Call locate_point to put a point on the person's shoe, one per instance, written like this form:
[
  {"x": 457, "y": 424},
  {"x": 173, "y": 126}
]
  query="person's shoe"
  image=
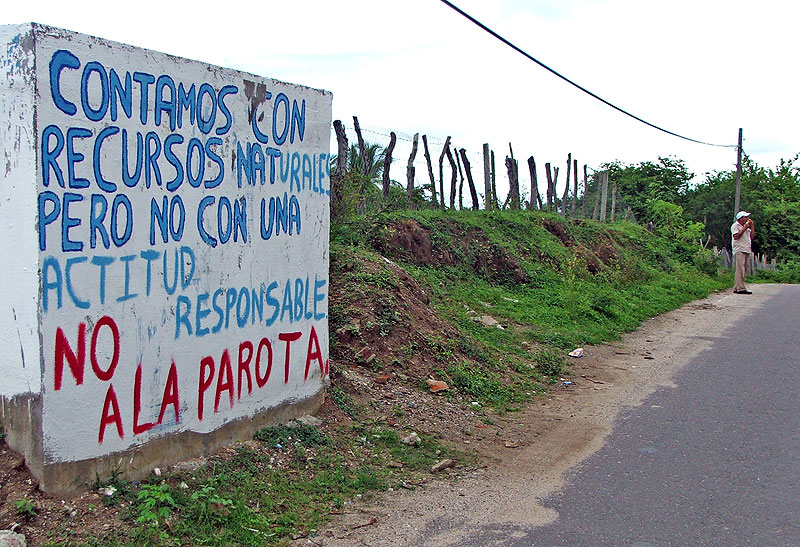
[{"x": 743, "y": 292}]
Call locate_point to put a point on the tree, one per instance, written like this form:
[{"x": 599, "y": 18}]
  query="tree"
[
  {"x": 666, "y": 180},
  {"x": 771, "y": 195}
]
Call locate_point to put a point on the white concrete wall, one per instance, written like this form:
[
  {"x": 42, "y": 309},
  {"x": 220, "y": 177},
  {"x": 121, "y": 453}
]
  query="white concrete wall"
[
  {"x": 143, "y": 337},
  {"x": 20, "y": 364}
]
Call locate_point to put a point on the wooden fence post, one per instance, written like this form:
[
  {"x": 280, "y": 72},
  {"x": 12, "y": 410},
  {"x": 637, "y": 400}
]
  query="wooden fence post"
[
  {"x": 473, "y": 194},
  {"x": 598, "y": 177},
  {"x": 441, "y": 168},
  {"x": 613, "y": 200},
  {"x": 454, "y": 176},
  {"x": 341, "y": 157},
  {"x": 487, "y": 178},
  {"x": 585, "y": 189},
  {"x": 430, "y": 170},
  {"x": 549, "y": 185},
  {"x": 534, "y": 184},
  {"x": 387, "y": 163},
  {"x": 341, "y": 167},
  {"x": 496, "y": 204},
  {"x": 513, "y": 182},
  {"x": 575, "y": 186},
  {"x": 460, "y": 181},
  {"x": 566, "y": 187},
  {"x": 362, "y": 148},
  {"x": 604, "y": 198},
  {"x": 555, "y": 185},
  {"x": 410, "y": 169}
]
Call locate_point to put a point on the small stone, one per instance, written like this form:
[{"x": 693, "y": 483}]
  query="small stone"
[
  {"x": 190, "y": 466},
  {"x": 511, "y": 444},
  {"x": 383, "y": 379},
  {"x": 488, "y": 321},
  {"x": 442, "y": 465},
  {"x": 388, "y": 395},
  {"x": 9, "y": 538},
  {"x": 396, "y": 465},
  {"x": 366, "y": 354},
  {"x": 412, "y": 440},
  {"x": 184, "y": 486},
  {"x": 309, "y": 420},
  {"x": 436, "y": 386},
  {"x": 109, "y": 491}
]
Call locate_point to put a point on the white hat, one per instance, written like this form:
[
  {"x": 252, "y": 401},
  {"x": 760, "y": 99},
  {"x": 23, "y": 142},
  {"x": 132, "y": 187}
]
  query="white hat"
[{"x": 741, "y": 214}]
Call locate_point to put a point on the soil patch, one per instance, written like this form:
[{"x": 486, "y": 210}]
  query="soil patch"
[{"x": 410, "y": 241}]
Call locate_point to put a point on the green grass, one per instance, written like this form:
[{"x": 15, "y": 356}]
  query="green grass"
[
  {"x": 252, "y": 499},
  {"x": 564, "y": 306}
]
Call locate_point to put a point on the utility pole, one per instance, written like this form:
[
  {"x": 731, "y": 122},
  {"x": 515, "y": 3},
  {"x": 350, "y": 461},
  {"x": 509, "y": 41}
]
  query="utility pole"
[{"x": 738, "y": 174}]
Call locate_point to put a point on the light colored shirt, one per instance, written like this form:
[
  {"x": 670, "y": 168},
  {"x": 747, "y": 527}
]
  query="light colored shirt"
[{"x": 741, "y": 245}]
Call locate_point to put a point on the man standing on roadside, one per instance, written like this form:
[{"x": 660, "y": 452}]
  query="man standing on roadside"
[{"x": 742, "y": 233}]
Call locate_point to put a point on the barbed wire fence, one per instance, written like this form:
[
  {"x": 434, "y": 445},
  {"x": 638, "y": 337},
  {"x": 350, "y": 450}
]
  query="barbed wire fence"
[
  {"x": 580, "y": 194},
  {"x": 452, "y": 170}
]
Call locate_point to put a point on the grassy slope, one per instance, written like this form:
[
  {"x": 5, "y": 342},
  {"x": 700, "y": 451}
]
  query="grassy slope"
[
  {"x": 561, "y": 306},
  {"x": 572, "y": 284}
]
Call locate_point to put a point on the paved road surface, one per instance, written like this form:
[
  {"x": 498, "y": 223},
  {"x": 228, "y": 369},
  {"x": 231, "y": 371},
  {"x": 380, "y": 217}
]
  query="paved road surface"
[
  {"x": 627, "y": 460},
  {"x": 714, "y": 461}
]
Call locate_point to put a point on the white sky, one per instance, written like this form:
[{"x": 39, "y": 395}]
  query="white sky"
[{"x": 700, "y": 68}]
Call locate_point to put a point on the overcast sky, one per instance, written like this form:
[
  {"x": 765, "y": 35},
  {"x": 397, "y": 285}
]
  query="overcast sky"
[{"x": 700, "y": 68}]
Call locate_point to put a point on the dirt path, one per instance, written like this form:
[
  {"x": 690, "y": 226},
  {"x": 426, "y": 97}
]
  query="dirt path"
[{"x": 534, "y": 448}]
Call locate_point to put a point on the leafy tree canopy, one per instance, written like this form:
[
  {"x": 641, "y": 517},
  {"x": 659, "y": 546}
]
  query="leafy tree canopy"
[{"x": 771, "y": 195}]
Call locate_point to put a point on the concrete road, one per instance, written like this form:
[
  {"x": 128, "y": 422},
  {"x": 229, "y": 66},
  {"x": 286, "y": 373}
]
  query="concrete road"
[{"x": 713, "y": 461}]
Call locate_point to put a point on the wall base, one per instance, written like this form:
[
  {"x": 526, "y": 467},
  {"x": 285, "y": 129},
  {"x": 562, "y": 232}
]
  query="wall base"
[
  {"x": 70, "y": 478},
  {"x": 21, "y": 419}
]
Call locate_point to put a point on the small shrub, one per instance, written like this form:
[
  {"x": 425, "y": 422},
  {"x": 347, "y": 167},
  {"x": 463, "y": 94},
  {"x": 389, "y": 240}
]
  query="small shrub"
[
  {"x": 549, "y": 362},
  {"x": 207, "y": 505},
  {"x": 155, "y": 504},
  {"x": 25, "y": 508}
]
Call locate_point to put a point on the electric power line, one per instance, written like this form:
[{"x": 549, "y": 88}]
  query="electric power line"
[{"x": 541, "y": 64}]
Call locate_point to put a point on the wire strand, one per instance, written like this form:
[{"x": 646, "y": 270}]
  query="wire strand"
[{"x": 541, "y": 64}]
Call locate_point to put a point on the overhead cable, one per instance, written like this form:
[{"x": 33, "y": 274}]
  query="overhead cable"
[{"x": 541, "y": 64}]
